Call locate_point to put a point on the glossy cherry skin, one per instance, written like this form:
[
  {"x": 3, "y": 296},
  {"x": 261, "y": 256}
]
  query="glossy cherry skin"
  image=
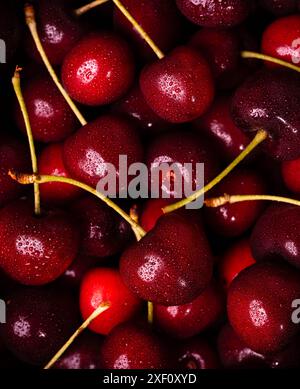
[
  {"x": 237, "y": 258},
  {"x": 218, "y": 125},
  {"x": 101, "y": 142},
  {"x": 179, "y": 87},
  {"x": 133, "y": 346},
  {"x": 234, "y": 219},
  {"x": 151, "y": 212},
  {"x": 50, "y": 117},
  {"x": 39, "y": 321},
  {"x": 102, "y": 285},
  {"x": 197, "y": 353},
  {"x": 277, "y": 234},
  {"x": 260, "y": 305},
  {"x": 36, "y": 250},
  {"x": 215, "y": 13},
  {"x": 290, "y": 174},
  {"x": 279, "y": 7},
  {"x": 185, "y": 321},
  {"x": 160, "y": 19},
  {"x": 281, "y": 40},
  {"x": 50, "y": 162},
  {"x": 13, "y": 155},
  {"x": 171, "y": 265},
  {"x": 103, "y": 232},
  {"x": 74, "y": 274},
  {"x": 99, "y": 69},
  {"x": 261, "y": 103}
]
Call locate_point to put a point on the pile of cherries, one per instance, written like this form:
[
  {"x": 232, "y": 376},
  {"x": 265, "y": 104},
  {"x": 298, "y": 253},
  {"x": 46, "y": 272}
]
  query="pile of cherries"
[{"x": 221, "y": 281}]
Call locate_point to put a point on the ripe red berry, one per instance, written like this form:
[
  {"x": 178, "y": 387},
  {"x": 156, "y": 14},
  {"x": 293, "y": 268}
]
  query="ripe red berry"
[
  {"x": 290, "y": 173},
  {"x": 197, "y": 353}
]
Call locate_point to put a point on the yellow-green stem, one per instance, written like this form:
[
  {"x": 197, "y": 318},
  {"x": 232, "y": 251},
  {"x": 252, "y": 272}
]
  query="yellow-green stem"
[
  {"x": 268, "y": 58},
  {"x": 85, "y": 8},
  {"x": 228, "y": 199},
  {"x": 150, "y": 312}
]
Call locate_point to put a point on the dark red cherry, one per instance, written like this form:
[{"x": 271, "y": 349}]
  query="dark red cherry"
[
  {"x": 39, "y": 321},
  {"x": 269, "y": 100},
  {"x": 105, "y": 285},
  {"x": 160, "y": 19},
  {"x": 36, "y": 250},
  {"x": 215, "y": 13},
  {"x": 50, "y": 162},
  {"x": 101, "y": 142},
  {"x": 287, "y": 358},
  {"x": 197, "y": 353},
  {"x": 179, "y": 87},
  {"x": 217, "y": 124},
  {"x": 277, "y": 234},
  {"x": 234, "y": 219},
  {"x": 279, "y": 7},
  {"x": 133, "y": 346},
  {"x": 83, "y": 354},
  {"x": 13, "y": 155},
  {"x": 281, "y": 40},
  {"x": 235, "y": 354},
  {"x": 99, "y": 69},
  {"x": 290, "y": 173},
  {"x": 103, "y": 232},
  {"x": 171, "y": 265},
  {"x": 237, "y": 258},
  {"x": 58, "y": 29},
  {"x": 50, "y": 116},
  {"x": 73, "y": 276},
  {"x": 151, "y": 212},
  {"x": 260, "y": 305},
  {"x": 185, "y": 321}
]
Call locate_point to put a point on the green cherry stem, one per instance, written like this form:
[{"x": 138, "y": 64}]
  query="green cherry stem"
[
  {"x": 268, "y": 58},
  {"x": 228, "y": 199},
  {"x": 85, "y": 8}
]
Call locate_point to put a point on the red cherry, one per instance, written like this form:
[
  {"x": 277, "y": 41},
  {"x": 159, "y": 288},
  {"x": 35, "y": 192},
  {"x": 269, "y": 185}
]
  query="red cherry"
[
  {"x": 179, "y": 87},
  {"x": 133, "y": 346},
  {"x": 234, "y": 219},
  {"x": 171, "y": 265},
  {"x": 102, "y": 141},
  {"x": 73, "y": 276},
  {"x": 35, "y": 250},
  {"x": 279, "y": 7},
  {"x": 98, "y": 70},
  {"x": 260, "y": 305},
  {"x": 197, "y": 353},
  {"x": 237, "y": 258},
  {"x": 50, "y": 116},
  {"x": 51, "y": 162},
  {"x": 152, "y": 211},
  {"x": 185, "y": 321},
  {"x": 105, "y": 285},
  {"x": 290, "y": 173}
]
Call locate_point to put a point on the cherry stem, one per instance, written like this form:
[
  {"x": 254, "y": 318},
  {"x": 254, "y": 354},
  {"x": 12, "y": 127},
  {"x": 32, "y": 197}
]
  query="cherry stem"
[
  {"x": 102, "y": 308},
  {"x": 31, "y": 23},
  {"x": 228, "y": 199},
  {"x": 26, "y": 179},
  {"x": 150, "y": 312},
  {"x": 259, "y": 138},
  {"x": 264, "y": 57},
  {"x": 18, "y": 91},
  {"x": 85, "y": 8},
  {"x": 139, "y": 29}
]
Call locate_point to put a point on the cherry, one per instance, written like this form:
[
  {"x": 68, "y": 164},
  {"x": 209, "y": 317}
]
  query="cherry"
[
  {"x": 102, "y": 141},
  {"x": 59, "y": 31},
  {"x": 197, "y": 353},
  {"x": 234, "y": 219},
  {"x": 187, "y": 320},
  {"x": 179, "y": 87},
  {"x": 151, "y": 212},
  {"x": 217, "y": 124},
  {"x": 290, "y": 173},
  {"x": 279, "y": 7},
  {"x": 160, "y": 19},
  {"x": 51, "y": 162},
  {"x": 281, "y": 40},
  {"x": 171, "y": 265},
  {"x": 287, "y": 358},
  {"x": 105, "y": 285},
  {"x": 261, "y": 103},
  {"x": 277, "y": 234},
  {"x": 13, "y": 155},
  {"x": 104, "y": 233},
  {"x": 237, "y": 258},
  {"x": 50, "y": 117},
  {"x": 215, "y": 13},
  {"x": 39, "y": 321},
  {"x": 133, "y": 346},
  {"x": 35, "y": 250},
  {"x": 73, "y": 276},
  {"x": 260, "y": 305},
  {"x": 99, "y": 69}
]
